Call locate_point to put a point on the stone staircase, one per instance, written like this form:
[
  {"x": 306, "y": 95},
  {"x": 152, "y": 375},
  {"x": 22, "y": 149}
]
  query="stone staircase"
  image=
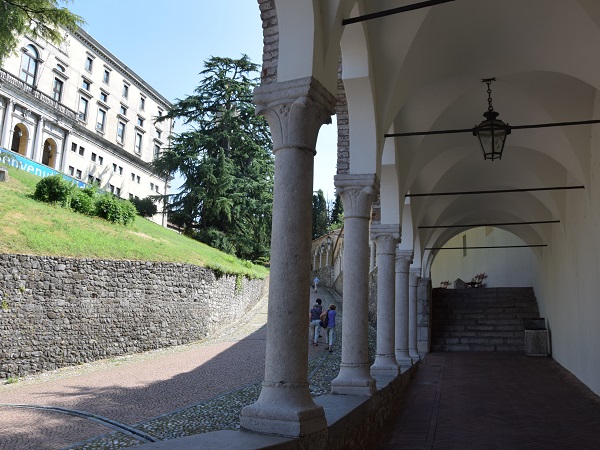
[{"x": 481, "y": 319}]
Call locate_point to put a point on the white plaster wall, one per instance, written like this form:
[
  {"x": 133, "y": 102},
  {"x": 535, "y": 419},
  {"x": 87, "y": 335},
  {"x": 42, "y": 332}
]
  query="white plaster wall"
[{"x": 513, "y": 267}]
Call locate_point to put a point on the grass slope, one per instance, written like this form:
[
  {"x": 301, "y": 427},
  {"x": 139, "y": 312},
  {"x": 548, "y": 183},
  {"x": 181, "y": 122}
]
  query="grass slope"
[{"x": 35, "y": 228}]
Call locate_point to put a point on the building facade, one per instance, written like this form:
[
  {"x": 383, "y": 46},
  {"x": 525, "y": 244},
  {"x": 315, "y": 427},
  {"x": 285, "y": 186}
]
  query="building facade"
[{"x": 79, "y": 110}]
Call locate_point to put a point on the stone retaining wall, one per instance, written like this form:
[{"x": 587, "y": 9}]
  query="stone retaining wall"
[{"x": 57, "y": 312}]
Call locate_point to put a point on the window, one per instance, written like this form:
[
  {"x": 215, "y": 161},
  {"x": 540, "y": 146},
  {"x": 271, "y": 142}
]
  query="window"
[
  {"x": 125, "y": 90},
  {"x": 138, "y": 143},
  {"x": 101, "y": 120},
  {"x": 140, "y": 121},
  {"x": 123, "y": 110},
  {"x": 81, "y": 150},
  {"x": 130, "y": 196},
  {"x": 29, "y": 63},
  {"x": 114, "y": 167},
  {"x": 137, "y": 179},
  {"x": 86, "y": 84},
  {"x": 78, "y": 174},
  {"x": 100, "y": 162},
  {"x": 160, "y": 112},
  {"x": 73, "y": 147},
  {"x": 158, "y": 133},
  {"x": 83, "y": 108},
  {"x": 156, "y": 188},
  {"x": 151, "y": 186},
  {"x": 60, "y": 68},
  {"x": 90, "y": 179},
  {"x": 94, "y": 157},
  {"x": 142, "y": 103},
  {"x": 132, "y": 176},
  {"x": 103, "y": 96},
  {"x": 71, "y": 170},
  {"x": 89, "y": 63},
  {"x": 156, "y": 151},
  {"x": 118, "y": 191},
  {"x": 106, "y": 76},
  {"x": 121, "y": 132},
  {"x": 120, "y": 170},
  {"x": 111, "y": 188},
  {"x": 57, "y": 88}
]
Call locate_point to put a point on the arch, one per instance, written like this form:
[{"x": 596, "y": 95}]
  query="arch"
[
  {"x": 29, "y": 65},
  {"x": 49, "y": 153},
  {"x": 20, "y": 139}
]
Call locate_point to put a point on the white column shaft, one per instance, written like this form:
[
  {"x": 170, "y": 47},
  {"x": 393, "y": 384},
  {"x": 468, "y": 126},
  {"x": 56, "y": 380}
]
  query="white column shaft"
[
  {"x": 403, "y": 261},
  {"x": 412, "y": 314},
  {"x": 6, "y": 125},
  {"x": 386, "y": 238},
  {"x": 356, "y": 192}
]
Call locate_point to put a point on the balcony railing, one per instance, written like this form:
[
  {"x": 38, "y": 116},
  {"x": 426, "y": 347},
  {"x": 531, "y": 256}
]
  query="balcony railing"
[{"x": 31, "y": 90}]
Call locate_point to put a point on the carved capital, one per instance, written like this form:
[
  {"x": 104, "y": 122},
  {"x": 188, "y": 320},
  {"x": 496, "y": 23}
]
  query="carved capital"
[
  {"x": 404, "y": 259},
  {"x": 386, "y": 237},
  {"x": 295, "y": 111},
  {"x": 414, "y": 276},
  {"x": 357, "y": 192}
]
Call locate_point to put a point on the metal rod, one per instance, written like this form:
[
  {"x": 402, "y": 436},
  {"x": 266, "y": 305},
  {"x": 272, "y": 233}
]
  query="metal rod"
[
  {"x": 485, "y": 247},
  {"x": 512, "y": 127},
  {"x": 389, "y": 12},
  {"x": 500, "y": 191},
  {"x": 473, "y": 225}
]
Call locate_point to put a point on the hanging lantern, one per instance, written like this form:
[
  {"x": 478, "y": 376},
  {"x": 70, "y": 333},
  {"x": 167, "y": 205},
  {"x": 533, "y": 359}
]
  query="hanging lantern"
[{"x": 491, "y": 132}]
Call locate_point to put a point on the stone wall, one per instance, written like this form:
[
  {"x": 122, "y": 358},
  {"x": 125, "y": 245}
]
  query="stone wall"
[
  {"x": 57, "y": 312},
  {"x": 268, "y": 15}
]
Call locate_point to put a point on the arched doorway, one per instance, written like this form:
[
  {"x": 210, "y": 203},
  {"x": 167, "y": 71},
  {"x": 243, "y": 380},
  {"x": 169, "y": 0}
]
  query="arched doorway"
[
  {"x": 20, "y": 139},
  {"x": 49, "y": 153}
]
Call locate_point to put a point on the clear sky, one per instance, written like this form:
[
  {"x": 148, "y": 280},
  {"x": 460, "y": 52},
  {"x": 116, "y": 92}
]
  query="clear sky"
[{"x": 167, "y": 42}]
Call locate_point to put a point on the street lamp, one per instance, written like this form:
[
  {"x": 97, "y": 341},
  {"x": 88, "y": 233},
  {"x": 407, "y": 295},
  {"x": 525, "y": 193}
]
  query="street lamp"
[{"x": 491, "y": 132}]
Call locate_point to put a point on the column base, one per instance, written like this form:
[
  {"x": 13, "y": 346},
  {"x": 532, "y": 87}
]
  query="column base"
[
  {"x": 414, "y": 356},
  {"x": 404, "y": 360},
  {"x": 353, "y": 379},
  {"x": 385, "y": 366},
  {"x": 284, "y": 409}
]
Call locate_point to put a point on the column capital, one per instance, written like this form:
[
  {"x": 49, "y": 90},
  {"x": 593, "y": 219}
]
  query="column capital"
[
  {"x": 357, "y": 192},
  {"x": 415, "y": 275},
  {"x": 295, "y": 110},
  {"x": 386, "y": 237},
  {"x": 404, "y": 259}
]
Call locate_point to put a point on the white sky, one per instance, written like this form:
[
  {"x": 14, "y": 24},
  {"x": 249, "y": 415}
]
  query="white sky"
[{"x": 167, "y": 42}]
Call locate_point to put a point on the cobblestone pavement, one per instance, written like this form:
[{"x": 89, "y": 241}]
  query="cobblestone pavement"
[{"x": 167, "y": 393}]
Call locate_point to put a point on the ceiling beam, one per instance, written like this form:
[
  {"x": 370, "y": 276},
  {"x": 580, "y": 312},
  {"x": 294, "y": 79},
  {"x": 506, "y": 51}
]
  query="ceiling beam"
[
  {"x": 499, "y": 191},
  {"x": 389, "y": 12},
  {"x": 474, "y": 225}
]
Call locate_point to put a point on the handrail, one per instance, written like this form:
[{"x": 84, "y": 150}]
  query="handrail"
[{"x": 37, "y": 94}]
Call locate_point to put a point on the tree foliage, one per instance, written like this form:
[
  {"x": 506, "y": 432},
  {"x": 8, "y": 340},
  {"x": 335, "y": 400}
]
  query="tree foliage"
[
  {"x": 40, "y": 18},
  {"x": 224, "y": 158},
  {"x": 320, "y": 215},
  {"x": 337, "y": 212}
]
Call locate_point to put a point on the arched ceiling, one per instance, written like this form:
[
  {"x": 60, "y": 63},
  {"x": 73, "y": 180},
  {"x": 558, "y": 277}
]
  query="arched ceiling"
[
  {"x": 422, "y": 70},
  {"x": 425, "y": 71}
]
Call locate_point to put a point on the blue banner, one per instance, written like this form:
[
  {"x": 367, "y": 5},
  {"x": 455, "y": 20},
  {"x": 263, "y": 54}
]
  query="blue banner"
[{"x": 20, "y": 162}]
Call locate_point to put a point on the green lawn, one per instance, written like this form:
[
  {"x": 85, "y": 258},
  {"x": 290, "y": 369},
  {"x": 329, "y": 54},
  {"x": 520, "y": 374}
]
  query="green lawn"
[{"x": 35, "y": 228}]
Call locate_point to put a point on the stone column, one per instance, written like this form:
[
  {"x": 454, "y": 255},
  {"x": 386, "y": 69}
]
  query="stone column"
[
  {"x": 295, "y": 110},
  {"x": 7, "y": 124},
  {"x": 403, "y": 261},
  {"x": 65, "y": 153},
  {"x": 386, "y": 237},
  {"x": 36, "y": 150},
  {"x": 357, "y": 192},
  {"x": 423, "y": 316},
  {"x": 414, "y": 275},
  {"x": 373, "y": 256}
]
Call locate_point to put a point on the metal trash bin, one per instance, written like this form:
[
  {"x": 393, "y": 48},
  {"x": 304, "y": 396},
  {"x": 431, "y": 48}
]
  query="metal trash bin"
[{"x": 536, "y": 337}]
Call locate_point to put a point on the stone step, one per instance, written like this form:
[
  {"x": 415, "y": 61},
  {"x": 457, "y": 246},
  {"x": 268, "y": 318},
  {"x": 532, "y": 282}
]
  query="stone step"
[{"x": 478, "y": 348}]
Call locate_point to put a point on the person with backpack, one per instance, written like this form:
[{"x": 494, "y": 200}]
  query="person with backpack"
[
  {"x": 328, "y": 322},
  {"x": 315, "y": 319}
]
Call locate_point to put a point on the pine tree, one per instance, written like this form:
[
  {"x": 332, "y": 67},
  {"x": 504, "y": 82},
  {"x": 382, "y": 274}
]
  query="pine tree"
[
  {"x": 225, "y": 161},
  {"x": 320, "y": 217}
]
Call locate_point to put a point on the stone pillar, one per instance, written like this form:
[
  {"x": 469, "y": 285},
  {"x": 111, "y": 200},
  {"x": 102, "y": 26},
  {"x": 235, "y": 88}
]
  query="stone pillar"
[
  {"x": 414, "y": 275},
  {"x": 65, "y": 153},
  {"x": 424, "y": 316},
  {"x": 386, "y": 237},
  {"x": 403, "y": 261},
  {"x": 36, "y": 150},
  {"x": 295, "y": 110},
  {"x": 357, "y": 192},
  {"x": 315, "y": 260},
  {"x": 7, "y": 124},
  {"x": 373, "y": 256}
]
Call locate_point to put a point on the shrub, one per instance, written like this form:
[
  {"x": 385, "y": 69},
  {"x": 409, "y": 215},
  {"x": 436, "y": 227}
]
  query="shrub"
[
  {"x": 115, "y": 209},
  {"x": 54, "y": 189},
  {"x": 145, "y": 207},
  {"x": 84, "y": 200}
]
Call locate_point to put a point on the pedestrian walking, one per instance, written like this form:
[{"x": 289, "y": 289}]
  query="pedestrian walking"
[
  {"x": 316, "y": 283},
  {"x": 315, "y": 319},
  {"x": 330, "y": 327}
]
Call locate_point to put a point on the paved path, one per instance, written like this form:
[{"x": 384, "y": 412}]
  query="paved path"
[{"x": 502, "y": 401}]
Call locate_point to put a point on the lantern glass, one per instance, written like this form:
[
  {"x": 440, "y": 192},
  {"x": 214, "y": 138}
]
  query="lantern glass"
[{"x": 492, "y": 134}]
